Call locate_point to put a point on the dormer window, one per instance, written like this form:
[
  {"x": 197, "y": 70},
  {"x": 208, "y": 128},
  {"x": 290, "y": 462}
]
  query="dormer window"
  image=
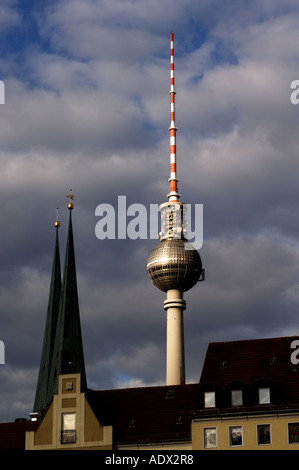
[
  {"x": 132, "y": 423},
  {"x": 264, "y": 396},
  {"x": 210, "y": 399},
  {"x": 237, "y": 398},
  {"x": 223, "y": 364},
  {"x": 170, "y": 394}
]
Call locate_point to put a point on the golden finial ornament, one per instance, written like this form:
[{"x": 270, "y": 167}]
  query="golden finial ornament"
[
  {"x": 57, "y": 223},
  {"x": 71, "y": 197}
]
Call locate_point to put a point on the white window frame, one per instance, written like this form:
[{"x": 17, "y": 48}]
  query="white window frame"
[
  {"x": 257, "y": 434},
  {"x": 261, "y": 401},
  {"x": 205, "y": 440},
  {"x": 68, "y": 428},
  {"x": 210, "y": 396},
  {"x": 241, "y": 394},
  {"x": 229, "y": 436}
]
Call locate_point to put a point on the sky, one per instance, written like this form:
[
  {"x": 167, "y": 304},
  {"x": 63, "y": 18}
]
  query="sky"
[{"x": 87, "y": 107}]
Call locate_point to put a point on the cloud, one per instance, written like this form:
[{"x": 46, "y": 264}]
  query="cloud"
[
  {"x": 87, "y": 108},
  {"x": 9, "y": 17},
  {"x": 124, "y": 30}
]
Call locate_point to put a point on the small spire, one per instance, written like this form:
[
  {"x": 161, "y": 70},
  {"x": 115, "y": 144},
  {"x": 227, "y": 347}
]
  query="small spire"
[
  {"x": 57, "y": 223},
  {"x": 71, "y": 197},
  {"x": 42, "y": 398}
]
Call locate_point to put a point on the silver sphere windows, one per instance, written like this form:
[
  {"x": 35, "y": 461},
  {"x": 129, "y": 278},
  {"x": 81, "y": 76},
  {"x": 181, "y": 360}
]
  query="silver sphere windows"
[{"x": 174, "y": 264}]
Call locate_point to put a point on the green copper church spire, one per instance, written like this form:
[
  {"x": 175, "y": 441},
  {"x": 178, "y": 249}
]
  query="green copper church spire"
[
  {"x": 68, "y": 354},
  {"x": 41, "y": 396}
]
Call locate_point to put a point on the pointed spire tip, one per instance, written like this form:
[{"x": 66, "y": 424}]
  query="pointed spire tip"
[
  {"x": 57, "y": 223},
  {"x": 71, "y": 197}
]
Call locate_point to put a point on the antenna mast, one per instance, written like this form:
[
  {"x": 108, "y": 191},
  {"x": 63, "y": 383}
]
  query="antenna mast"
[{"x": 173, "y": 195}]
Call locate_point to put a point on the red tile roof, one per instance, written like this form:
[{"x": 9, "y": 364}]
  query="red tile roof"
[
  {"x": 12, "y": 435},
  {"x": 249, "y": 361},
  {"x": 147, "y": 414}
]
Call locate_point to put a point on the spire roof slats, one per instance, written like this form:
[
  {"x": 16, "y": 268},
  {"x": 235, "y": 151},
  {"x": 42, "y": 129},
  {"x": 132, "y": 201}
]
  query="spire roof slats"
[{"x": 40, "y": 403}]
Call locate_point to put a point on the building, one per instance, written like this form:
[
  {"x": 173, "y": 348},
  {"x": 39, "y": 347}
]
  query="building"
[
  {"x": 249, "y": 396},
  {"x": 123, "y": 419}
]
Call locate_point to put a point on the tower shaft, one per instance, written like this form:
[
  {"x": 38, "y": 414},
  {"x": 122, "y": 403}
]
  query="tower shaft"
[{"x": 175, "y": 349}]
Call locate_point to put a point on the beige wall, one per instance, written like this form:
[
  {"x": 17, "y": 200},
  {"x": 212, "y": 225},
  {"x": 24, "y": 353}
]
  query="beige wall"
[
  {"x": 278, "y": 429},
  {"x": 89, "y": 432}
]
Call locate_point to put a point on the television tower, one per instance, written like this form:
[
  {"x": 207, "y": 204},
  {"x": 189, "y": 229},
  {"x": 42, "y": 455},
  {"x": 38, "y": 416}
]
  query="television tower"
[{"x": 174, "y": 265}]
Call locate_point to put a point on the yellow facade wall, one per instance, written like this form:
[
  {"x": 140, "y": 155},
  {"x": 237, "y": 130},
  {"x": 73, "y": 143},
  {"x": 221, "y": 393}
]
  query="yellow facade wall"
[
  {"x": 89, "y": 432},
  {"x": 279, "y": 438},
  {"x": 43, "y": 435}
]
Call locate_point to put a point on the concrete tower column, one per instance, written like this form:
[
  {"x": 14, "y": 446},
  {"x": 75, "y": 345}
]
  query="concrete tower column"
[{"x": 175, "y": 355}]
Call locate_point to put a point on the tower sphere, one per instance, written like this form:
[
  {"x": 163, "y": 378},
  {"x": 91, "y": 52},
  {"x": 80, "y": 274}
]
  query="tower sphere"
[{"x": 174, "y": 264}]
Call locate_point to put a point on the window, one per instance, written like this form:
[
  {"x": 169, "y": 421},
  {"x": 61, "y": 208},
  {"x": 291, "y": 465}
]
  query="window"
[
  {"x": 263, "y": 434},
  {"x": 132, "y": 423},
  {"x": 179, "y": 420},
  {"x": 170, "y": 394},
  {"x": 69, "y": 386},
  {"x": 210, "y": 401},
  {"x": 210, "y": 438},
  {"x": 235, "y": 436},
  {"x": 264, "y": 396},
  {"x": 68, "y": 428},
  {"x": 293, "y": 429},
  {"x": 223, "y": 365},
  {"x": 237, "y": 398}
]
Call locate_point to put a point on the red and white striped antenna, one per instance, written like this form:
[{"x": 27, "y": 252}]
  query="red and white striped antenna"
[{"x": 173, "y": 195}]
